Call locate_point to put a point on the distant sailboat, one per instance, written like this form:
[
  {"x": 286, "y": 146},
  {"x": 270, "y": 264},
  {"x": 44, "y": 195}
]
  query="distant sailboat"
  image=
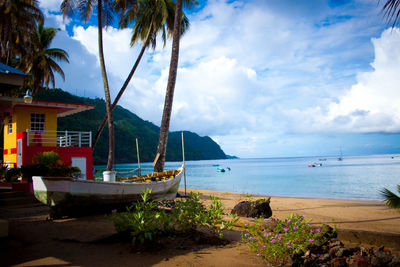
[{"x": 340, "y": 158}]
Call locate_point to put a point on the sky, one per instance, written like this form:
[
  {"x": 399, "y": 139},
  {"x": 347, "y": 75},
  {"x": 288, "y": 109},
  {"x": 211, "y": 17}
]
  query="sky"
[{"x": 262, "y": 78}]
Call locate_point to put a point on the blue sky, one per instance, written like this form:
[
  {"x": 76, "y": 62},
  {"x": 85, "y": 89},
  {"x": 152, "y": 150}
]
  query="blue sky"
[{"x": 262, "y": 78}]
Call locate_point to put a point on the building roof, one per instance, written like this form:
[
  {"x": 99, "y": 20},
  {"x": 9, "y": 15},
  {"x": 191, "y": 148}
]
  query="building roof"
[
  {"x": 7, "y": 69},
  {"x": 63, "y": 109}
]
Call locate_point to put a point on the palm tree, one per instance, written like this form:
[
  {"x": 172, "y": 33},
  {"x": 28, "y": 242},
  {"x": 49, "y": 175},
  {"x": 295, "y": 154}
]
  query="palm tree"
[
  {"x": 392, "y": 200},
  {"x": 169, "y": 95},
  {"x": 43, "y": 63},
  {"x": 104, "y": 17},
  {"x": 18, "y": 20},
  {"x": 391, "y": 11},
  {"x": 148, "y": 18}
]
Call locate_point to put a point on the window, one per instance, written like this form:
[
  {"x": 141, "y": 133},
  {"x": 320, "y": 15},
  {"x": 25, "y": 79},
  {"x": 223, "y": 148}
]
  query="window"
[
  {"x": 37, "y": 122},
  {"x": 10, "y": 124}
]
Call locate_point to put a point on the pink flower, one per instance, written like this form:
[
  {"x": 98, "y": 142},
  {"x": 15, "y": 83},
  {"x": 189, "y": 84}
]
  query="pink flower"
[
  {"x": 319, "y": 230},
  {"x": 289, "y": 221},
  {"x": 258, "y": 254},
  {"x": 311, "y": 240},
  {"x": 280, "y": 238},
  {"x": 295, "y": 228},
  {"x": 273, "y": 241},
  {"x": 288, "y": 243},
  {"x": 285, "y": 228}
]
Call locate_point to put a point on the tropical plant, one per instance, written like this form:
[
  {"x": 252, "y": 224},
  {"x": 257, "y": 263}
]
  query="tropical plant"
[
  {"x": 169, "y": 95},
  {"x": 43, "y": 64},
  {"x": 18, "y": 20},
  {"x": 148, "y": 17},
  {"x": 105, "y": 12},
  {"x": 391, "y": 11},
  {"x": 144, "y": 220},
  {"x": 392, "y": 200},
  {"x": 292, "y": 235}
]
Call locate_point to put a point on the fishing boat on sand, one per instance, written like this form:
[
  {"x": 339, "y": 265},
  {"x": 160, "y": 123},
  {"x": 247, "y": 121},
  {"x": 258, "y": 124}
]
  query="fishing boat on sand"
[{"x": 66, "y": 192}]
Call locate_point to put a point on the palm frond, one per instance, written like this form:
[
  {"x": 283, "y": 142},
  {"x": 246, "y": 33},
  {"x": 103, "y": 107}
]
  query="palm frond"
[
  {"x": 392, "y": 200},
  {"x": 391, "y": 11}
]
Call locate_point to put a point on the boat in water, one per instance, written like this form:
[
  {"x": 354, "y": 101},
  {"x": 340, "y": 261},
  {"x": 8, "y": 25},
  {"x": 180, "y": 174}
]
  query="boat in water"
[{"x": 63, "y": 194}]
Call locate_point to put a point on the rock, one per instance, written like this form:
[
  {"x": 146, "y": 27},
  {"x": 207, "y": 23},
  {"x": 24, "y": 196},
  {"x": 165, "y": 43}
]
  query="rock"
[
  {"x": 333, "y": 251},
  {"x": 359, "y": 261},
  {"x": 335, "y": 243},
  {"x": 381, "y": 257},
  {"x": 254, "y": 209},
  {"x": 269, "y": 223},
  {"x": 395, "y": 261},
  {"x": 338, "y": 262}
]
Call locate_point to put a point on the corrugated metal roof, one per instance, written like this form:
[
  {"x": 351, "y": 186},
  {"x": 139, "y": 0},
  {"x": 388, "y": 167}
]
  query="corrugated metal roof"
[{"x": 7, "y": 69}]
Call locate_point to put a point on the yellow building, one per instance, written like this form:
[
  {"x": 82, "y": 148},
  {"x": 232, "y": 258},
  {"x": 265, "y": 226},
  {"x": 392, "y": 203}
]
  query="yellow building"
[{"x": 30, "y": 128}]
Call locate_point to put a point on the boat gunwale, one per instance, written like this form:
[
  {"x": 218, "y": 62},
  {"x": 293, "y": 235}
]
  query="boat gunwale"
[{"x": 71, "y": 179}]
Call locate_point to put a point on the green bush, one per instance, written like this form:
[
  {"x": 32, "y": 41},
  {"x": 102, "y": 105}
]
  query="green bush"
[
  {"x": 48, "y": 164},
  {"x": 293, "y": 235},
  {"x": 143, "y": 221},
  {"x": 13, "y": 174}
]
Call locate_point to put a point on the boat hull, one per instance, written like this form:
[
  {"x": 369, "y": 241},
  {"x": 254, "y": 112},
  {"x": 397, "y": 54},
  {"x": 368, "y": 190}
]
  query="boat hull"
[{"x": 67, "y": 193}]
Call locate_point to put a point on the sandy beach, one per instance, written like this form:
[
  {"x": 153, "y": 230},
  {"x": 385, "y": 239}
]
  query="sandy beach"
[{"x": 88, "y": 241}]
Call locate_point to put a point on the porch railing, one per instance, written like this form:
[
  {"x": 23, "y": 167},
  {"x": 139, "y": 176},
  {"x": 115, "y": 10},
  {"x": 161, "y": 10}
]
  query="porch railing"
[{"x": 59, "y": 138}]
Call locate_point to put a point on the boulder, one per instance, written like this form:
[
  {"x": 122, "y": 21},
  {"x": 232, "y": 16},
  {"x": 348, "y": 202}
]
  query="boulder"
[{"x": 254, "y": 209}]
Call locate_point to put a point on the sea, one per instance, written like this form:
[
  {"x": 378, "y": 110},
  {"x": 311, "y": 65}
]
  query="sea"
[{"x": 353, "y": 178}]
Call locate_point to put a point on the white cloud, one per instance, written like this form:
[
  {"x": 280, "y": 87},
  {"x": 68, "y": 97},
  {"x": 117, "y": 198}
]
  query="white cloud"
[
  {"x": 50, "y": 5},
  {"x": 261, "y": 69},
  {"x": 373, "y": 103}
]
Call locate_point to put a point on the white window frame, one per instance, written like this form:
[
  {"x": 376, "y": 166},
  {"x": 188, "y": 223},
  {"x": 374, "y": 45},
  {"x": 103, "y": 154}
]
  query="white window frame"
[
  {"x": 38, "y": 122},
  {"x": 10, "y": 124}
]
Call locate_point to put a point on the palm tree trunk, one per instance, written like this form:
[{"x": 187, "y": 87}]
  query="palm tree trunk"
[
  {"x": 122, "y": 90},
  {"x": 110, "y": 161},
  {"x": 169, "y": 96}
]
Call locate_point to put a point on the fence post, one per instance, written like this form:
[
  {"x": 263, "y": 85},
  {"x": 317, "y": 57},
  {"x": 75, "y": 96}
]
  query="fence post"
[
  {"x": 66, "y": 138},
  {"x": 79, "y": 138},
  {"x": 90, "y": 139}
]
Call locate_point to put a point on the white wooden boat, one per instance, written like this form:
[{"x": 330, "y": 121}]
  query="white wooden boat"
[{"x": 64, "y": 193}]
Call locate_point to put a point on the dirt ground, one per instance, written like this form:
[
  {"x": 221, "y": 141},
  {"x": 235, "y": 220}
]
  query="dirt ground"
[{"x": 90, "y": 241}]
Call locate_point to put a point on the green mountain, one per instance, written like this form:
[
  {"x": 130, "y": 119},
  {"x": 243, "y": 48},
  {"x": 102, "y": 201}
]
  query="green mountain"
[{"x": 128, "y": 127}]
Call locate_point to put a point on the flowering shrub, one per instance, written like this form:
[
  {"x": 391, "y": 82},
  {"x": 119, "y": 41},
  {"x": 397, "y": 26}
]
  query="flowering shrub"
[
  {"x": 145, "y": 220},
  {"x": 290, "y": 236}
]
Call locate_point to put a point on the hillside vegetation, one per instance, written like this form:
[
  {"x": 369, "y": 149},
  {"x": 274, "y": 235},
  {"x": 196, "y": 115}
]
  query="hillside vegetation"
[{"x": 128, "y": 127}]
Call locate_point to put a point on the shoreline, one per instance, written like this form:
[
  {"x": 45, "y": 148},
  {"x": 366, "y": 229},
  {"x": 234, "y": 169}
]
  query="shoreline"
[
  {"x": 305, "y": 197},
  {"x": 347, "y": 215}
]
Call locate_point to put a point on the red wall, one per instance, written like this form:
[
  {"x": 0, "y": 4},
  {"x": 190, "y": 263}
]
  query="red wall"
[{"x": 66, "y": 153}]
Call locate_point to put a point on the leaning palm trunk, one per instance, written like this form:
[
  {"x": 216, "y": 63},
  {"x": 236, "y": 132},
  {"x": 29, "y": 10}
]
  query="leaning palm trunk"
[
  {"x": 169, "y": 96},
  {"x": 110, "y": 160},
  {"x": 122, "y": 90}
]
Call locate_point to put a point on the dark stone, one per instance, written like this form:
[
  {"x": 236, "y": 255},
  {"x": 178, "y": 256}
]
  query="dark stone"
[
  {"x": 254, "y": 209},
  {"x": 333, "y": 251},
  {"x": 359, "y": 261},
  {"x": 381, "y": 258},
  {"x": 335, "y": 243},
  {"x": 395, "y": 261},
  {"x": 338, "y": 262}
]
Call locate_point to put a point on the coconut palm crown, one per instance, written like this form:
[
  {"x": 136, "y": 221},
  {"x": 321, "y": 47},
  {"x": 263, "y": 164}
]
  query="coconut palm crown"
[{"x": 43, "y": 64}]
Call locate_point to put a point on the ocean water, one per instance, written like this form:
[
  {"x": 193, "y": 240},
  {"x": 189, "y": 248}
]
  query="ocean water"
[{"x": 356, "y": 177}]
